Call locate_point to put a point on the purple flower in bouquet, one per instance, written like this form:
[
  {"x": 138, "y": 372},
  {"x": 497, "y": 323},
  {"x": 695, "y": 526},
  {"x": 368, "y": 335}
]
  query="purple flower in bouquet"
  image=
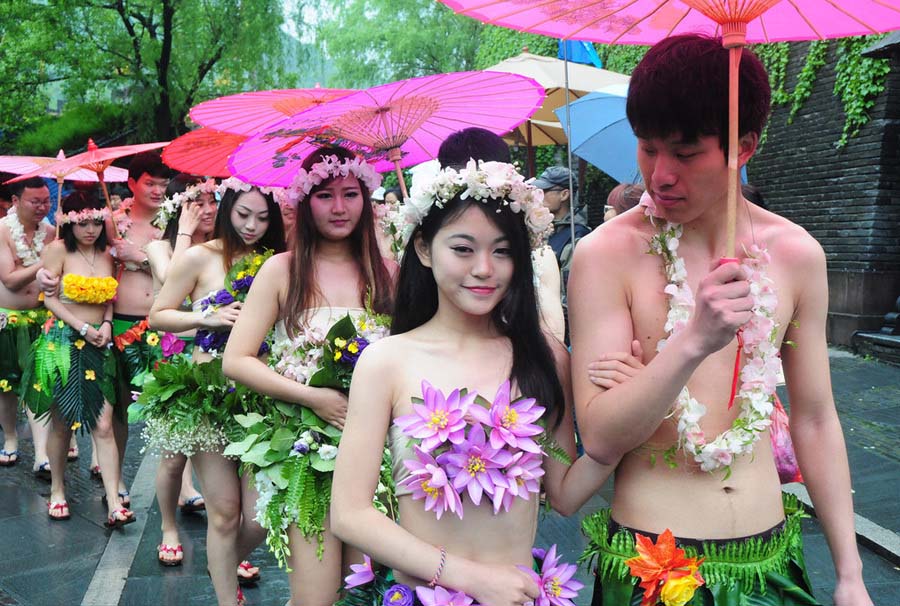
[
  {"x": 429, "y": 481},
  {"x": 555, "y": 581},
  {"x": 511, "y": 423},
  {"x": 242, "y": 285},
  {"x": 362, "y": 574},
  {"x": 353, "y": 350},
  {"x": 442, "y": 597},
  {"x": 437, "y": 419},
  {"x": 538, "y": 554},
  {"x": 170, "y": 344},
  {"x": 208, "y": 340},
  {"x": 522, "y": 476},
  {"x": 475, "y": 465},
  {"x": 398, "y": 595},
  {"x": 300, "y": 447},
  {"x": 223, "y": 297}
]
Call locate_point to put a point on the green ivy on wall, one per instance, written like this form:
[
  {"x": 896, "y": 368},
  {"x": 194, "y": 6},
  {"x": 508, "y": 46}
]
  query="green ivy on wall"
[{"x": 858, "y": 80}]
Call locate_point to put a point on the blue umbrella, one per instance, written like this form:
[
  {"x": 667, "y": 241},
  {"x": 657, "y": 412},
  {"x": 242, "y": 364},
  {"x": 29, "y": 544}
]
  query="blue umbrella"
[{"x": 602, "y": 135}]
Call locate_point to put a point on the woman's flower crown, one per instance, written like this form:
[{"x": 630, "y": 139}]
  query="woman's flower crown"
[
  {"x": 482, "y": 181},
  {"x": 235, "y": 184},
  {"x": 87, "y": 214},
  {"x": 171, "y": 205},
  {"x": 332, "y": 167}
]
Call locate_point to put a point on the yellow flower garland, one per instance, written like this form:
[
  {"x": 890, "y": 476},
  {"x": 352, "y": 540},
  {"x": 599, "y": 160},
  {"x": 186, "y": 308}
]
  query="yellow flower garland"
[{"x": 90, "y": 290}]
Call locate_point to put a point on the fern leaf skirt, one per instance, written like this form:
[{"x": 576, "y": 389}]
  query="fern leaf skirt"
[{"x": 66, "y": 371}]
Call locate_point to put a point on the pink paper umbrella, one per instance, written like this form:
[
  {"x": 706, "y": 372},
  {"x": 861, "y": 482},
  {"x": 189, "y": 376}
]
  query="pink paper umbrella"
[
  {"x": 95, "y": 159},
  {"x": 204, "y": 151},
  {"x": 649, "y": 21},
  {"x": 400, "y": 124},
  {"x": 248, "y": 113}
]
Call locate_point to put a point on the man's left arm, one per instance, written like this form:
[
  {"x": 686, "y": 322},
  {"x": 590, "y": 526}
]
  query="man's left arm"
[{"x": 815, "y": 426}]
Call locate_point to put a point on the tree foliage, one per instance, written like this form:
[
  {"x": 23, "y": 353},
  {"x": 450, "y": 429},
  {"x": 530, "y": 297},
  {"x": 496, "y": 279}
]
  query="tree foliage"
[
  {"x": 371, "y": 42},
  {"x": 157, "y": 57}
]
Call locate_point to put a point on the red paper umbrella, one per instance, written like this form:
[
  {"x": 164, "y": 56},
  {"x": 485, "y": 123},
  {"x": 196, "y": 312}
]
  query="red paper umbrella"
[
  {"x": 248, "y": 113},
  {"x": 204, "y": 151},
  {"x": 95, "y": 159},
  {"x": 649, "y": 21},
  {"x": 403, "y": 122},
  {"x": 20, "y": 165}
]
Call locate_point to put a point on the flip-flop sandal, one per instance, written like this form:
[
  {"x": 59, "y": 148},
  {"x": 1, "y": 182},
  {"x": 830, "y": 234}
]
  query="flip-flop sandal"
[
  {"x": 240, "y": 594},
  {"x": 174, "y": 550},
  {"x": 251, "y": 580},
  {"x": 43, "y": 471},
  {"x": 191, "y": 505},
  {"x": 123, "y": 495},
  {"x": 96, "y": 474},
  {"x": 51, "y": 507},
  {"x": 9, "y": 460},
  {"x": 114, "y": 521},
  {"x": 72, "y": 455}
]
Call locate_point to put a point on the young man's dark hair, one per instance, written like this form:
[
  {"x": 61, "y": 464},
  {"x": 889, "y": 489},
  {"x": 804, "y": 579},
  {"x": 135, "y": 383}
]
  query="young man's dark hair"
[
  {"x": 149, "y": 162},
  {"x": 677, "y": 89},
  {"x": 16, "y": 189},
  {"x": 473, "y": 142}
]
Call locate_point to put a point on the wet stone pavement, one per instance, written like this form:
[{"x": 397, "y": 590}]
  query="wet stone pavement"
[{"x": 79, "y": 562}]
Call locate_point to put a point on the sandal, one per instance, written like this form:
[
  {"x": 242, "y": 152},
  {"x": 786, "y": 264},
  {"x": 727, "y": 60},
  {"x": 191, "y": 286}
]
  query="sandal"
[
  {"x": 124, "y": 499},
  {"x": 96, "y": 473},
  {"x": 114, "y": 521},
  {"x": 191, "y": 505},
  {"x": 72, "y": 455},
  {"x": 240, "y": 594},
  {"x": 53, "y": 507},
  {"x": 42, "y": 472},
  {"x": 162, "y": 548},
  {"x": 9, "y": 454},
  {"x": 244, "y": 581}
]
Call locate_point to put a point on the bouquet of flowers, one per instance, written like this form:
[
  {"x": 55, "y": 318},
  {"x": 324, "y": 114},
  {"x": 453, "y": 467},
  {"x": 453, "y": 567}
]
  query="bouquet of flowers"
[
  {"x": 468, "y": 446},
  {"x": 189, "y": 407},
  {"x": 237, "y": 285},
  {"x": 288, "y": 448},
  {"x": 391, "y": 221},
  {"x": 366, "y": 587}
]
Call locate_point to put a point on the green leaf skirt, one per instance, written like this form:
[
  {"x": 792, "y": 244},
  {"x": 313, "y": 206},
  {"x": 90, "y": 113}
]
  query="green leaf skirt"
[
  {"x": 65, "y": 370},
  {"x": 758, "y": 571},
  {"x": 18, "y": 330}
]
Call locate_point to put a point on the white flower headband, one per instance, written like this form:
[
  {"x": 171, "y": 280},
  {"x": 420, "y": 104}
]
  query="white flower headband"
[
  {"x": 171, "y": 205},
  {"x": 235, "y": 184},
  {"x": 481, "y": 181},
  {"x": 87, "y": 214},
  {"x": 332, "y": 167}
]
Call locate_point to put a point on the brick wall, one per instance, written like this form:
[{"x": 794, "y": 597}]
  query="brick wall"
[{"x": 848, "y": 199}]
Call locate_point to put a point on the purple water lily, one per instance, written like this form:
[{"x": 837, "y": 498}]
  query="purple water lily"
[
  {"x": 511, "y": 423},
  {"x": 398, "y": 595},
  {"x": 442, "y": 597},
  {"x": 437, "y": 419},
  {"x": 555, "y": 581},
  {"x": 362, "y": 574},
  {"x": 475, "y": 465},
  {"x": 429, "y": 481},
  {"x": 522, "y": 477}
]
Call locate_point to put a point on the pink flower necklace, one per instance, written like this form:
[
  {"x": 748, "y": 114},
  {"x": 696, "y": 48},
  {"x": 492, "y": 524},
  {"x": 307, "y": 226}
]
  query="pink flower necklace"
[{"x": 758, "y": 376}]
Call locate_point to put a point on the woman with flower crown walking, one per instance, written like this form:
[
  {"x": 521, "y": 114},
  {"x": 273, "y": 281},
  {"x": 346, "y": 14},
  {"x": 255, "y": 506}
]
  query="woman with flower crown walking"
[
  {"x": 71, "y": 374},
  {"x": 466, "y": 328},
  {"x": 195, "y": 420},
  {"x": 334, "y": 270}
]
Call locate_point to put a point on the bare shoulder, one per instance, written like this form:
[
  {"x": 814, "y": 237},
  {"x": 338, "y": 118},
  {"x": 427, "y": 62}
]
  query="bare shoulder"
[
  {"x": 617, "y": 239},
  {"x": 789, "y": 243},
  {"x": 385, "y": 355},
  {"x": 277, "y": 263},
  {"x": 49, "y": 231}
]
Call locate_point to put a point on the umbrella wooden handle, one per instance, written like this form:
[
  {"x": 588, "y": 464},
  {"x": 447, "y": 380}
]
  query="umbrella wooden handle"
[
  {"x": 734, "y": 54},
  {"x": 108, "y": 204}
]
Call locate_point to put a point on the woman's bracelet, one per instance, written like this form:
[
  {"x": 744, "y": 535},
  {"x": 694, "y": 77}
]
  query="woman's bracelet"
[
  {"x": 440, "y": 568},
  {"x": 184, "y": 233}
]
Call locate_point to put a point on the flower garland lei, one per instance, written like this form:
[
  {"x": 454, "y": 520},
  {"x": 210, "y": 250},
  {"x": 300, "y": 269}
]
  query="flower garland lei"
[
  {"x": 481, "y": 181},
  {"x": 171, "y": 205},
  {"x": 759, "y": 375},
  {"x": 122, "y": 217},
  {"x": 332, "y": 167},
  {"x": 29, "y": 255}
]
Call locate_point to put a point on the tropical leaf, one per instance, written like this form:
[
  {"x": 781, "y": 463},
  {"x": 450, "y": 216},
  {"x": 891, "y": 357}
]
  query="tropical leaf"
[{"x": 81, "y": 398}]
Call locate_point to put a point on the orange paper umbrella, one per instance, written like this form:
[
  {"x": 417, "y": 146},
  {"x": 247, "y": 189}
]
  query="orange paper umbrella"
[
  {"x": 95, "y": 159},
  {"x": 204, "y": 151},
  {"x": 248, "y": 113}
]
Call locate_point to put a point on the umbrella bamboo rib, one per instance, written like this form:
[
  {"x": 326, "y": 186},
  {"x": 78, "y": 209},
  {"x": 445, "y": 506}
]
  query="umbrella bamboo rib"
[{"x": 854, "y": 17}]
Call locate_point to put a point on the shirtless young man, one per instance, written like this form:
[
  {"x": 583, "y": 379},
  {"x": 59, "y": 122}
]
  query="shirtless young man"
[
  {"x": 677, "y": 106},
  {"x": 22, "y": 238},
  {"x": 148, "y": 178}
]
